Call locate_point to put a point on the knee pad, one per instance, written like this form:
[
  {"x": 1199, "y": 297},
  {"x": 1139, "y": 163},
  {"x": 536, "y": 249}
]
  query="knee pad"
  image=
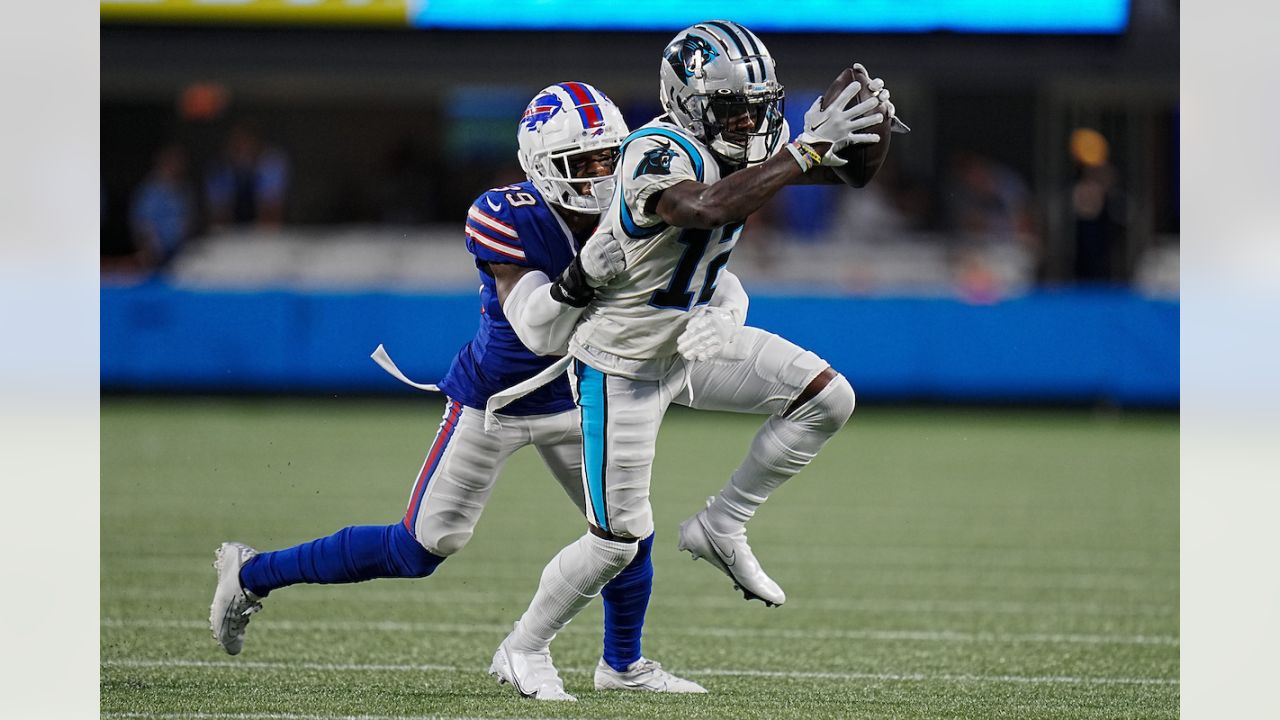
[
  {"x": 446, "y": 531},
  {"x": 448, "y": 544},
  {"x": 830, "y": 409},
  {"x": 611, "y": 555}
]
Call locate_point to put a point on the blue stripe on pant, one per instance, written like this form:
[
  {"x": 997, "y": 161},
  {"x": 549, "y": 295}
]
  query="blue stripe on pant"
[{"x": 593, "y": 399}]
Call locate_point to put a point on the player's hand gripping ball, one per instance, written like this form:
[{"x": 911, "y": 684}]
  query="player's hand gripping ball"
[{"x": 862, "y": 160}]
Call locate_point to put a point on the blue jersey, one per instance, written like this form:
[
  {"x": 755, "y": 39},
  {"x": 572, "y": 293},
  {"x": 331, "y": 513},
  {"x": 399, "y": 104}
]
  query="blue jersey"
[{"x": 513, "y": 225}]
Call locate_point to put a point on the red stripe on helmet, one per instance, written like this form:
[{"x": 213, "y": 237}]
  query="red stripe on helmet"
[{"x": 587, "y": 105}]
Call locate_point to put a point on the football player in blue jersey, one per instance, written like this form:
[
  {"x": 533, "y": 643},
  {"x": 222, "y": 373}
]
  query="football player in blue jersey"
[{"x": 532, "y": 235}]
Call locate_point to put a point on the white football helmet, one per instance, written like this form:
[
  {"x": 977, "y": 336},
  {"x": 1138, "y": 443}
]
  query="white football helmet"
[
  {"x": 714, "y": 72},
  {"x": 563, "y": 120}
]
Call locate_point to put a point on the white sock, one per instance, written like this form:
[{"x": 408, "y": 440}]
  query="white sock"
[
  {"x": 572, "y": 578},
  {"x": 783, "y": 447}
]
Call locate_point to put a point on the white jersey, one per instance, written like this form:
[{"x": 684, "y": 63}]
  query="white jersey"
[{"x": 632, "y": 326}]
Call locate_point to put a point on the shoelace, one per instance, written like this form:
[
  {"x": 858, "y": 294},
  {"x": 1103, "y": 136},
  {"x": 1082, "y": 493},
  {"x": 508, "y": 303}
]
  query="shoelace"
[
  {"x": 649, "y": 673},
  {"x": 647, "y": 665},
  {"x": 241, "y": 619}
]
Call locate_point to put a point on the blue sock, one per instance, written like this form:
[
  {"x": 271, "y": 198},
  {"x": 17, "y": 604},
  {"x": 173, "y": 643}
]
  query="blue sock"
[
  {"x": 352, "y": 554},
  {"x": 626, "y": 598}
]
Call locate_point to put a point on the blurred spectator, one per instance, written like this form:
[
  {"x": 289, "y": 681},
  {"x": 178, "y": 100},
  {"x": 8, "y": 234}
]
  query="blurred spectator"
[
  {"x": 882, "y": 212},
  {"x": 247, "y": 185},
  {"x": 1097, "y": 210},
  {"x": 990, "y": 206},
  {"x": 987, "y": 200},
  {"x": 162, "y": 211}
]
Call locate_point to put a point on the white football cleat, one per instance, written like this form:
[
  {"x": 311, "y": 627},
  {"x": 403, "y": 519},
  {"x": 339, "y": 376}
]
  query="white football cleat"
[
  {"x": 531, "y": 674},
  {"x": 643, "y": 674},
  {"x": 733, "y": 556},
  {"x": 232, "y": 604}
]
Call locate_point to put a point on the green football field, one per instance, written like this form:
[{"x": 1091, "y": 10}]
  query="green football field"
[{"x": 972, "y": 563}]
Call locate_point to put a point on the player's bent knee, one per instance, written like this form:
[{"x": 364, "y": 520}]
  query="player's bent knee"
[
  {"x": 631, "y": 527},
  {"x": 446, "y": 530},
  {"x": 831, "y": 408},
  {"x": 447, "y": 544},
  {"x": 613, "y": 555},
  {"x": 410, "y": 557}
]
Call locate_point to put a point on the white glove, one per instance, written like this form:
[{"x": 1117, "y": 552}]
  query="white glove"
[
  {"x": 602, "y": 258},
  {"x": 710, "y": 333},
  {"x": 876, "y": 85},
  {"x": 840, "y": 127}
]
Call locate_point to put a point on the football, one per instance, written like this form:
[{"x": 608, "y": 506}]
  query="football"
[{"x": 863, "y": 160}]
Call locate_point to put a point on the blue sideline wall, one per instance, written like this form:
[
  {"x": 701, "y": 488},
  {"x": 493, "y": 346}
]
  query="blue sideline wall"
[{"x": 1069, "y": 346}]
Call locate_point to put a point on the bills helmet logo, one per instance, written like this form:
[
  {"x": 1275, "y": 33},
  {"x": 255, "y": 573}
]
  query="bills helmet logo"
[
  {"x": 542, "y": 109},
  {"x": 688, "y": 54}
]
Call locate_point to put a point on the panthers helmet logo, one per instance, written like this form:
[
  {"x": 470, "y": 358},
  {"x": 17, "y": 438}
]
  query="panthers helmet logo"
[
  {"x": 542, "y": 109},
  {"x": 687, "y": 54},
  {"x": 656, "y": 161}
]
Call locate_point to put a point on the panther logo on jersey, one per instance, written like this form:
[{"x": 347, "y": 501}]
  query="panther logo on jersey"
[
  {"x": 542, "y": 109},
  {"x": 656, "y": 161},
  {"x": 689, "y": 54}
]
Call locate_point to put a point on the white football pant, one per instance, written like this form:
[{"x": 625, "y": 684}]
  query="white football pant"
[
  {"x": 621, "y": 416},
  {"x": 620, "y": 419},
  {"x": 463, "y": 464}
]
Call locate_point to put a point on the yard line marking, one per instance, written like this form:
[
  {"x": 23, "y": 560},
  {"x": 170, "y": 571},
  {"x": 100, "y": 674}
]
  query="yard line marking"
[
  {"x": 392, "y": 593},
  {"x": 783, "y": 633},
  {"x": 714, "y": 672}
]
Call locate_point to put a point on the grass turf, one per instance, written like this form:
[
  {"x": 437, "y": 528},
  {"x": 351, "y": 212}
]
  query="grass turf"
[{"x": 938, "y": 564}]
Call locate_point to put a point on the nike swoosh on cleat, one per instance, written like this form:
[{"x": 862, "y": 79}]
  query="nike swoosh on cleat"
[
  {"x": 729, "y": 559},
  {"x": 495, "y": 208}
]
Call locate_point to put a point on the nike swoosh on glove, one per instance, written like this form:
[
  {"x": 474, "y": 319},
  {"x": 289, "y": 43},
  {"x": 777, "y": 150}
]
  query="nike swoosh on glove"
[{"x": 838, "y": 126}]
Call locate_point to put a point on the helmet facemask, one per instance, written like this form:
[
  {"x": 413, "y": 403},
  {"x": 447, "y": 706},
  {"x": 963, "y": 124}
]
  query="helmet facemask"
[
  {"x": 572, "y": 190},
  {"x": 744, "y": 129}
]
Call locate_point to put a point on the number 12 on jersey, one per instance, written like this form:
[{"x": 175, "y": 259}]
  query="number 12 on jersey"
[{"x": 678, "y": 295}]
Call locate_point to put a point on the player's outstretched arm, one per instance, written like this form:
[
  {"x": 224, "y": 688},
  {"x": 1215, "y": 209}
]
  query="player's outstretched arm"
[{"x": 692, "y": 204}]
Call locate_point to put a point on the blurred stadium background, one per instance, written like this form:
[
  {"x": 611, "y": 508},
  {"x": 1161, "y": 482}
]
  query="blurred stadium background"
[{"x": 284, "y": 185}]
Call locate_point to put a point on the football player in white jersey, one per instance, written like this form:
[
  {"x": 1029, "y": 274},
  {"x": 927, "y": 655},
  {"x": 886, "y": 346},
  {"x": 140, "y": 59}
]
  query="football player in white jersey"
[
  {"x": 670, "y": 326},
  {"x": 532, "y": 232}
]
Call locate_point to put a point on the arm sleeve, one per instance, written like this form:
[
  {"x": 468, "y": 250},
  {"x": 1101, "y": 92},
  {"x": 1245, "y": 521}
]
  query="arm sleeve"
[
  {"x": 541, "y": 323},
  {"x": 492, "y": 234},
  {"x": 731, "y": 296},
  {"x": 649, "y": 165}
]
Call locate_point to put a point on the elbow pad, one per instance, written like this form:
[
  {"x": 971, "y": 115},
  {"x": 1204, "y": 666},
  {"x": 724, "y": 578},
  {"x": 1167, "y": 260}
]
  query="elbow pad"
[{"x": 543, "y": 323}]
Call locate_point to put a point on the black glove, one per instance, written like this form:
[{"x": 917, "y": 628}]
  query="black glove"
[{"x": 571, "y": 288}]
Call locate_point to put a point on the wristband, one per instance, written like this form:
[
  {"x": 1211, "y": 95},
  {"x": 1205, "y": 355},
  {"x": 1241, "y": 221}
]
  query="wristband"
[
  {"x": 571, "y": 287},
  {"x": 806, "y": 157}
]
